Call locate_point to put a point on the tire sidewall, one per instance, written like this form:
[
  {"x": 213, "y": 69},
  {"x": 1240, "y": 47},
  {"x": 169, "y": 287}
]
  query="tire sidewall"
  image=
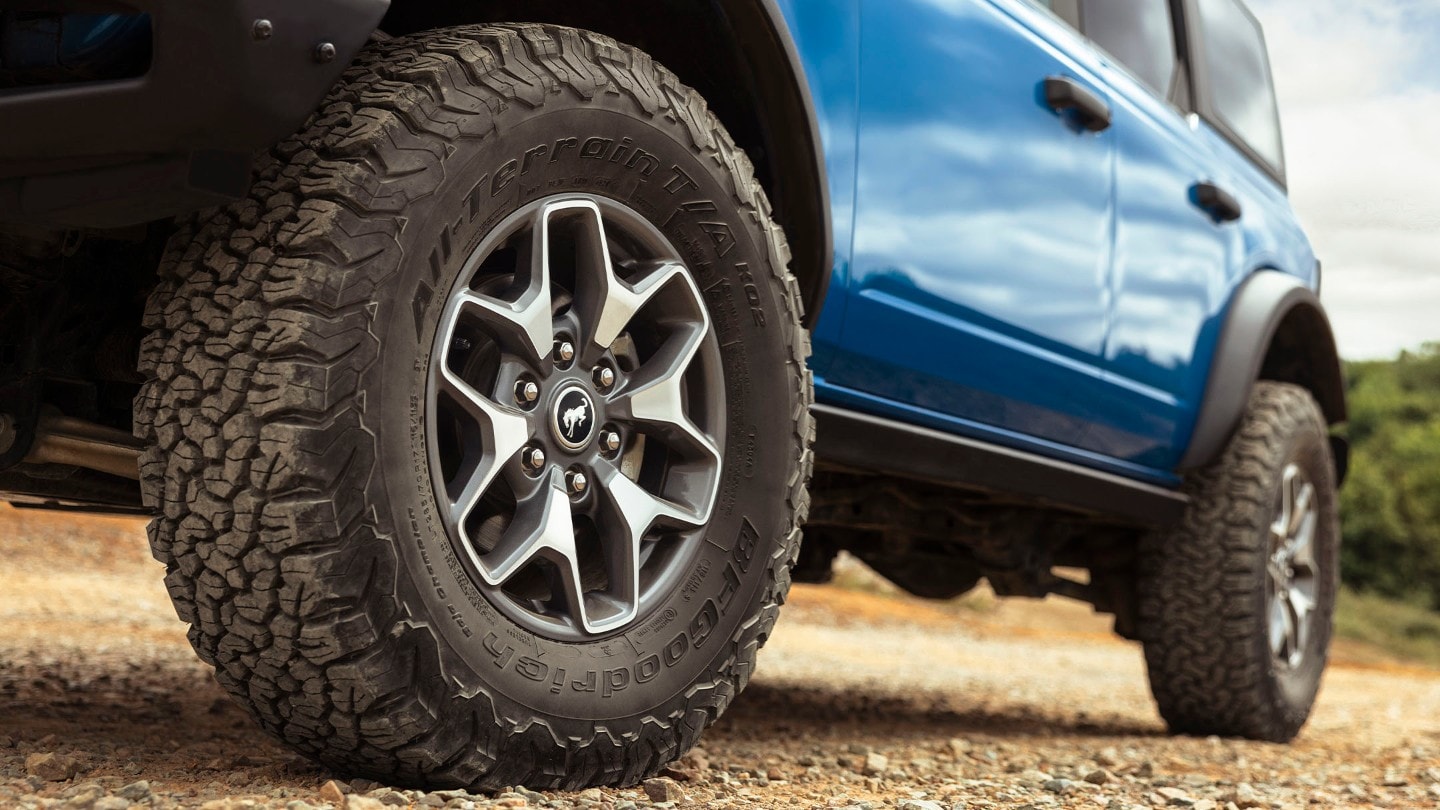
[{"x": 687, "y": 195}]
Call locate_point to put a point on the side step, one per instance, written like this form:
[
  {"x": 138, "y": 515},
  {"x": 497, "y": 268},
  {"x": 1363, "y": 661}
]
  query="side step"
[{"x": 873, "y": 443}]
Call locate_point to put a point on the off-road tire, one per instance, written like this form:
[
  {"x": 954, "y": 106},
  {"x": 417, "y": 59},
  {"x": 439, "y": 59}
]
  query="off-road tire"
[
  {"x": 287, "y": 348},
  {"x": 1202, "y": 586}
]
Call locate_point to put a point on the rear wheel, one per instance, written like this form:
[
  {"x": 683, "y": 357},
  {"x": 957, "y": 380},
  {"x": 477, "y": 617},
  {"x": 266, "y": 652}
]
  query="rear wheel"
[
  {"x": 481, "y": 428},
  {"x": 1236, "y": 603}
]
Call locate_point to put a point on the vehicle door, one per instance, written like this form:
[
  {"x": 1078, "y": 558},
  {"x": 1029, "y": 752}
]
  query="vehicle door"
[{"x": 983, "y": 220}]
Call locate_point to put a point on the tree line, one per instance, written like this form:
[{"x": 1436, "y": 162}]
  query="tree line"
[{"x": 1390, "y": 504}]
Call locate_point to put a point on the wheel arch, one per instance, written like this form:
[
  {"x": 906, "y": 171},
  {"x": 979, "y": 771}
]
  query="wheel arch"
[
  {"x": 740, "y": 56},
  {"x": 1275, "y": 329}
]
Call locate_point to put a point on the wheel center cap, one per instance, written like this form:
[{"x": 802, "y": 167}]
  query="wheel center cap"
[{"x": 573, "y": 420}]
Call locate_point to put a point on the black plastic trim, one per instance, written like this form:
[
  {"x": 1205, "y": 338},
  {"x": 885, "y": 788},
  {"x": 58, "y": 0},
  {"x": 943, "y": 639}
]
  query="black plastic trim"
[
  {"x": 1217, "y": 202},
  {"x": 1064, "y": 94},
  {"x": 799, "y": 86},
  {"x": 214, "y": 88},
  {"x": 1259, "y": 307},
  {"x": 873, "y": 443}
]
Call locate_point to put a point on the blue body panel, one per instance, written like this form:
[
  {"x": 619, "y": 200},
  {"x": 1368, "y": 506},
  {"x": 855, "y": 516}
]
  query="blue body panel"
[{"x": 1000, "y": 272}]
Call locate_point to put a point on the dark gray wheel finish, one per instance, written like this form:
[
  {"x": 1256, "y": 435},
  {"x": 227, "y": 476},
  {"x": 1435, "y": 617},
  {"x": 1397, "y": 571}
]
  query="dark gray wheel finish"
[
  {"x": 291, "y": 372},
  {"x": 582, "y": 277},
  {"x": 1236, "y": 603}
]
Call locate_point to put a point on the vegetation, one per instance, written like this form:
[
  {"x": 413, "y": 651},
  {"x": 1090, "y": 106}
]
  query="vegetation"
[
  {"x": 1401, "y": 629},
  {"x": 1390, "y": 505}
]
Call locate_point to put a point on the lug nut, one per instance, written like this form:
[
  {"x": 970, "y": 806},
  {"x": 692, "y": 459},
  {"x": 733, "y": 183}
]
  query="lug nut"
[
  {"x": 526, "y": 392},
  {"x": 576, "y": 482},
  {"x": 533, "y": 458},
  {"x": 604, "y": 377},
  {"x": 564, "y": 351},
  {"x": 609, "y": 441}
]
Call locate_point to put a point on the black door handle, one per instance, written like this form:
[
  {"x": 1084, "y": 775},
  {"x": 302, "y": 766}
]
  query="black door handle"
[
  {"x": 1063, "y": 93},
  {"x": 1217, "y": 202}
]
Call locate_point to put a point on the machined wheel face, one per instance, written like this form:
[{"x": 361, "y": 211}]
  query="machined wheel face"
[
  {"x": 1292, "y": 573},
  {"x": 575, "y": 408}
]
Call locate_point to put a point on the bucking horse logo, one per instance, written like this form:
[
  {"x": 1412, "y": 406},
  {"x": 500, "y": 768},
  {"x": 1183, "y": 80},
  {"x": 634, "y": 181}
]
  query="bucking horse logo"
[{"x": 573, "y": 417}]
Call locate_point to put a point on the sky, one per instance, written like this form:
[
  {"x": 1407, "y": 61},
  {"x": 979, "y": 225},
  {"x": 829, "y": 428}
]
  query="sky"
[{"x": 1360, "y": 108}]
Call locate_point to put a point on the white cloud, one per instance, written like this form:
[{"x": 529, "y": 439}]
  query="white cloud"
[{"x": 1361, "y": 111}]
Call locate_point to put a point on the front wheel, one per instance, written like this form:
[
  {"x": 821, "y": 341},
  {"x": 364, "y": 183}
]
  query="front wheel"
[
  {"x": 481, "y": 428},
  {"x": 1236, "y": 603}
]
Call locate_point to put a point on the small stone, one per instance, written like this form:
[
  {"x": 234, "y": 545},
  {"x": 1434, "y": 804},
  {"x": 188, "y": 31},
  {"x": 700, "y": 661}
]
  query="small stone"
[
  {"x": 1175, "y": 796},
  {"x": 1245, "y": 796},
  {"x": 51, "y": 767},
  {"x": 661, "y": 789},
  {"x": 1394, "y": 779},
  {"x": 6, "y": 741},
  {"x": 110, "y": 803},
  {"x": 1035, "y": 777},
  {"x": 135, "y": 791},
  {"x": 364, "y": 803},
  {"x": 1107, "y": 758},
  {"x": 920, "y": 804},
  {"x": 592, "y": 795},
  {"x": 1098, "y": 777},
  {"x": 959, "y": 747},
  {"x": 1205, "y": 804},
  {"x": 857, "y": 748},
  {"x": 1059, "y": 785},
  {"x": 298, "y": 804},
  {"x": 331, "y": 792},
  {"x": 875, "y": 764}
]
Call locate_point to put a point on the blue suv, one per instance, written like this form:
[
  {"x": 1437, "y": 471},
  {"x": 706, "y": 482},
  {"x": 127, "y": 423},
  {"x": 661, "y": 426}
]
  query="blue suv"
[{"x": 489, "y": 382}]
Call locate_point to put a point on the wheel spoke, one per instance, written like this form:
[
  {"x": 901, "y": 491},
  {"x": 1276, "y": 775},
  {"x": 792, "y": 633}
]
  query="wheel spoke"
[
  {"x": 656, "y": 396},
  {"x": 524, "y": 326},
  {"x": 1292, "y": 627},
  {"x": 1279, "y": 619},
  {"x": 1302, "y": 544},
  {"x": 633, "y": 512},
  {"x": 543, "y": 527},
  {"x": 1302, "y": 506},
  {"x": 606, "y": 303},
  {"x": 502, "y": 433}
]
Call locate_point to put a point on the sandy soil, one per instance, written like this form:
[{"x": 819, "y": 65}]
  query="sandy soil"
[{"x": 862, "y": 699}]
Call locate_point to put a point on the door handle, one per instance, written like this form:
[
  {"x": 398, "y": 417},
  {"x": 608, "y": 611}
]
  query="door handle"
[
  {"x": 1216, "y": 201},
  {"x": 1063, "y": 93}
]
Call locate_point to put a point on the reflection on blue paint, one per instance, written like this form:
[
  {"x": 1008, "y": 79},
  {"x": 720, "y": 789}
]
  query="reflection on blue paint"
[{"x": 1002, "y": 273}]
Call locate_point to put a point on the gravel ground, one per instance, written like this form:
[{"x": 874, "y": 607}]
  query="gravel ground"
[{"x": 862, "y": 700}]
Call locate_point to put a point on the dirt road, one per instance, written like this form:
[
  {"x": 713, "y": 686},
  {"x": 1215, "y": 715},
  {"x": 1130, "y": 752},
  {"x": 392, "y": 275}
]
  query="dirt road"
[{"x": 861, "y": 700}]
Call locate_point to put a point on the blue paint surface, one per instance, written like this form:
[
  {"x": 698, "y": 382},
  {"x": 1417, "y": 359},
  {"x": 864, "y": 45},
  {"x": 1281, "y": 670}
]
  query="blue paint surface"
[{"x": 1002, "y": 273}]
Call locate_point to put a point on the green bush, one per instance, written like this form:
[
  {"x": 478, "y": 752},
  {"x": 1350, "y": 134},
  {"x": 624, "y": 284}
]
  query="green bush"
[{"x": 1390, "y": 505}]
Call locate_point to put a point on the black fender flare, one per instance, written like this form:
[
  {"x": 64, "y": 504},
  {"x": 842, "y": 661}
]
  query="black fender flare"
[
  {"x": 1275, "y": 328},
  {"x": 793, "y": 101}
]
